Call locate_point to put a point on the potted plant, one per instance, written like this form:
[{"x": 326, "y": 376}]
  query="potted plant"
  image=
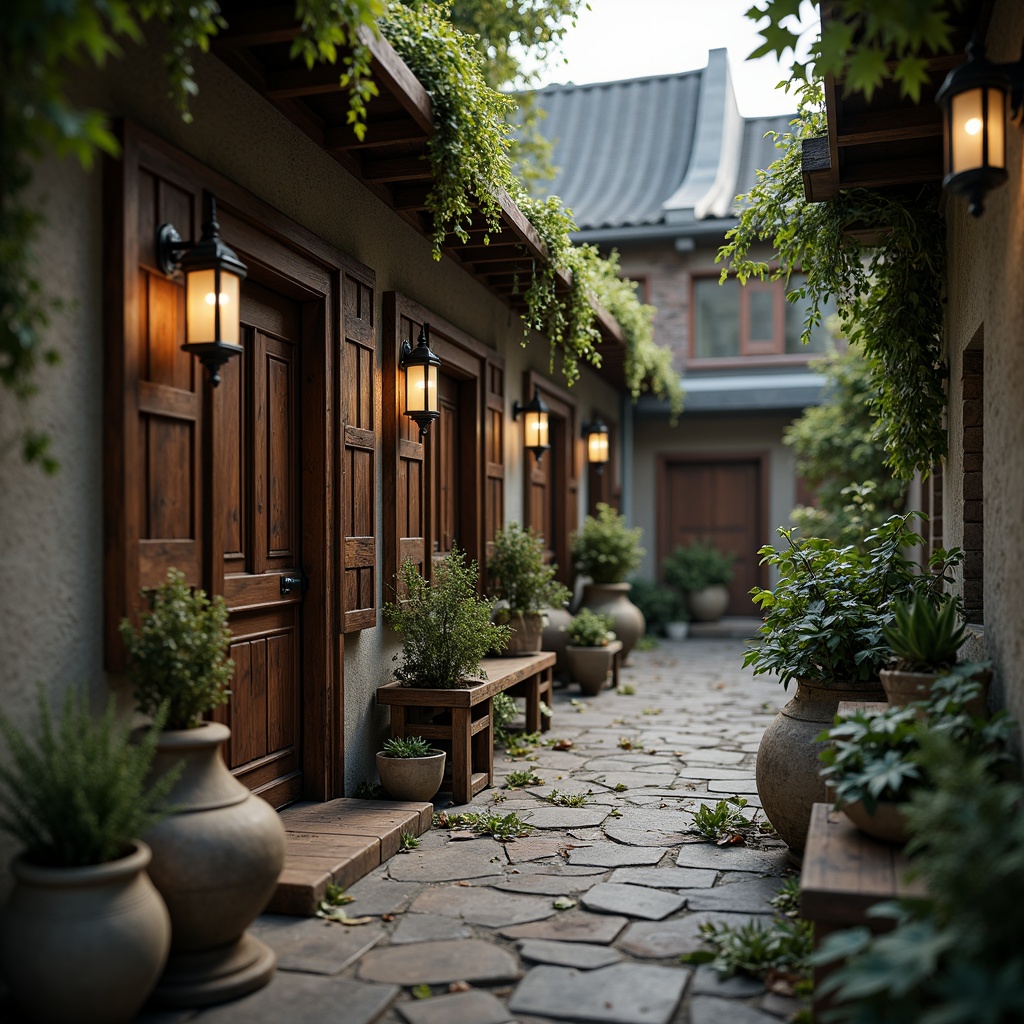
[
  {"x": 606, "y": 550},
  {"x": 592, "y": 647},
  {"x": 523, "y": 586},
  {"x": 446, "y": 629},
  {"x": 410, "y": 769},
  {"x": 85, "y": 933},
  {"x": 925, "y": 636},
  {"x": 823, "y": 628},
  {"x": 703, "y": 573},
  {"x": 872, "y": 760},
  {"x": 663, "y": 608},
  {"x": 217, "y": 859}
]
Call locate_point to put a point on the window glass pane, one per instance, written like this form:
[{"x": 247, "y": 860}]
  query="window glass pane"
[
  {"x": 796, "y": 312},
  {"x": 760, "y": 302},
  {"x": 716, "y": 318}
]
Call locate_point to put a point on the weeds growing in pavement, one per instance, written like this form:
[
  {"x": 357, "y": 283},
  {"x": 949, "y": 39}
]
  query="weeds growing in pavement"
[
  {"x": 522, "y": 778},
  {"x": 725, "y": 822},
  {"x": 567, "y": 799},
  {"x": 488, "y": 823}
]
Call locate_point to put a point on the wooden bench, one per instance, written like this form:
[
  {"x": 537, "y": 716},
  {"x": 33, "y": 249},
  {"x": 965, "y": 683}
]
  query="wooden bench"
[{"x": 462, "y": 717}]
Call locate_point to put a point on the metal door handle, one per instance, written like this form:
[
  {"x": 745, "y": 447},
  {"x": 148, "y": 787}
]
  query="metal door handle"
[{"x": 290, "y": 583}]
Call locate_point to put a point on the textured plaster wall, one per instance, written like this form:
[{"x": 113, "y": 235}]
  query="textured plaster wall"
[
  {"x": 986, "y": 295},
  {"x": 51, "y": 541}
]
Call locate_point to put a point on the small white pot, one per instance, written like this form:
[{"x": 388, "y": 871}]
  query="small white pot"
[{"x": 677, "y": 630}]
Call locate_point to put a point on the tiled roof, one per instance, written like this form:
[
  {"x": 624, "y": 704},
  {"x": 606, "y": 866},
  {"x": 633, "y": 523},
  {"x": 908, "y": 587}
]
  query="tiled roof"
[{"x": 643, "y": 152}]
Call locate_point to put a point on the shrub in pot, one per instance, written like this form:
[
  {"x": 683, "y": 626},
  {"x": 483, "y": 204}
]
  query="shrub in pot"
[
  {"x": 85, "y": 933},
  {"x": 606, "y": 550},
  {"x": 703, "y": 573},
  {"x": 523, "y": 586},
  {"x": 663, "y": 608},
  {"x": 823, "y": 628},
  {"x": 410, "y": 769},
  {"x": 873, "y": 760},
  {"x": 216, "y": 860},
  {"x": 446, "y": 628},
  {"x": 925, "y": 636},
  {"x": 592, "y": 646}
]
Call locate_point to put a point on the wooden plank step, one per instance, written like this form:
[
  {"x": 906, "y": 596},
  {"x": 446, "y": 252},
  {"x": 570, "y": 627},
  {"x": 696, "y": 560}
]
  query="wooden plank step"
[{"x": 339, "y": 842}]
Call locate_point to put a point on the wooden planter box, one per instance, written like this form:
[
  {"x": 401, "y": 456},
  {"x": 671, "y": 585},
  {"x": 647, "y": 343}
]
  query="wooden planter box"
[{"x": 463, "y": 719}]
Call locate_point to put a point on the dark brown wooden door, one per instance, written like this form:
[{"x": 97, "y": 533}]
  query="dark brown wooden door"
[
  {"x": 445, "y": 472},
  {"x": 720, "y": 502},
  {"x": 258, "y": 503}
]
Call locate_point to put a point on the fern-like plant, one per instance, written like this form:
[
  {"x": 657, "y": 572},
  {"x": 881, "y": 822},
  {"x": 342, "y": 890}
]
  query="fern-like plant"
[
  {"x": 445, "y": 627},
  {"x": 407, "y": 746},
  {"x": 76, "y": 791},
  {"x": 925, "y": 633},
  {"x": 179, "y": 653}
]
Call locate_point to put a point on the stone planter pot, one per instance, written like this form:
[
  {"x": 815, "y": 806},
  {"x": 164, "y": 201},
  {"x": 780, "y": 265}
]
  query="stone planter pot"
[
  {"x": 612, "y": 599},
  {"x": 527, "y": 632},
  {"x": 904, "y": 688},
  {"x": 554, "y": 638},
  {"x": 411, "y": 778},
  {"x": 787, "y": 776},
  {"x": 216, "y": 863},
  {"x": 677, "y": 630},
  {"x": 708, "y": 604},
  {"x": 887, "y": 823},
  {"x": 84, "y": 945},
  {"x": 590, "y": 667}
]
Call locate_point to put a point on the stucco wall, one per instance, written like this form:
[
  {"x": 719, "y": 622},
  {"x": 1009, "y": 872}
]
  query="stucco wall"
[
  {"x": 51, "y": 541},
  {"x": 986, "y": 301}
]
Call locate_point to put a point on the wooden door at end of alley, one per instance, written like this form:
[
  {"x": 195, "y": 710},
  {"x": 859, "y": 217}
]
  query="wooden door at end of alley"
[
  {"x": 258, "y": 448},
  {"x": 720, "y": 502}
]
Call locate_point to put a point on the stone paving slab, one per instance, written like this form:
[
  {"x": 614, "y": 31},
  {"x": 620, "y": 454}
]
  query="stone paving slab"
[
  {"x": 749, "y": 897},
  {"x": 732, "y": 858},
  {"x": 486, "y": 907},
  {"x": 621, "y": 993},
  {"x": 376, "y": 895},
  {"x": 472, "y": 859},
  {"x": 666, "y": 878},
  {"x": 566, "y": 817},
  {"x": 632, "y": 900},
  {"x": 548, "y": 885},
  {"x": 709, "y": 1010},
  {"x": 612, "y": 855},
  {"x": 476, "y": 1007},
  {"x": 654, "y": 940},
  {"x": 708, "y": 982},
  {"x": 439, "y": 963},
  {"x": 304, "y": 999},
  {"x": 313, "y": 945},
  {"x": 571, "y": 926},
  {"x": 737, "y": 787},
  {"x": 429, "y": 928},
  {"x": 534, "y": 848},
  {"x": 581, "y": 955}
]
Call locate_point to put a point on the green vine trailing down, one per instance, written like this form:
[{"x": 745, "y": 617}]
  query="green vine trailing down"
[{"x": 889, "y": 297}]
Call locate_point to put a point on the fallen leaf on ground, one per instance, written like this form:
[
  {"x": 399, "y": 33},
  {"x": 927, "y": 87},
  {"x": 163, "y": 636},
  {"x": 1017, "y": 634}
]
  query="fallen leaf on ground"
[
  {"x": 564, "y": 903},
  {"x": 460, "y": 986}
]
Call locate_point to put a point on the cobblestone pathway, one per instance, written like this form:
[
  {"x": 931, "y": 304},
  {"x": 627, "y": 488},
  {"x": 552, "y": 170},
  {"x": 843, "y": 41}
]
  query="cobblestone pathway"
[{"x": 478, "y": 914}]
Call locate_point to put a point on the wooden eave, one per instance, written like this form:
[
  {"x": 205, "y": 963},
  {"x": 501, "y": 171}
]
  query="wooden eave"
[
  {"x": 392, "y": 159},
  {"x": 887, "y": 142}
]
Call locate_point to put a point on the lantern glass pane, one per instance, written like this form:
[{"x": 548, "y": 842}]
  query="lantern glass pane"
[
  {"x": 970, "y": 111},
  {"x": 597, "y": 448},
  {"x": 536, "y": 430},
  {"x": 200, "y": 306},
  {"x": 230, "y": 307},
  {"x": 420, "y": 388},
  {"x": 996, "y": 129}
]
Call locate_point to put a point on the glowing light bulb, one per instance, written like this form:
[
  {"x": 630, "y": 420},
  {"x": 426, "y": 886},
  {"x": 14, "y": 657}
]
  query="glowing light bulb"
[{"x": 973, "y": 125}]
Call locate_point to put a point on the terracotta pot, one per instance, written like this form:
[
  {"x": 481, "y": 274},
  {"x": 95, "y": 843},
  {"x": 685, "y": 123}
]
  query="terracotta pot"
[
  {"x": 612, "y": 599},
  {"x": 590, "y": 667},
  {"x": 554, "y": 638},
  {"x": 886, "y": 823},
  {"x": 787, "y": 776},
  {"x": 84, "y": 945},
  {"x": 904, "y": 688},
  {"x": 527, "y": 632},
  {"x": 411, "y": 778},
  {"x": 216, "y": 863},
  {"x": 708, "y": 604}
]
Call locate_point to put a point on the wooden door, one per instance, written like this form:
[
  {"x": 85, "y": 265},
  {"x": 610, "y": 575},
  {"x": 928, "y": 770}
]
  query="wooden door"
[
  {"x": 258, "y": 504},
  {"x": 719, "y": 501},
  {"x": 444, "y": 472}
]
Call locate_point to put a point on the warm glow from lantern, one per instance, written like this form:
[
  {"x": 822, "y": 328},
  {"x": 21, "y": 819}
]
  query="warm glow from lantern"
[
  {"x": 201, "y": 307},
  {"x": 597, "y": 447},
  {"x": 420, "y": 388},
  {"x": 972, "y": 111},
  {"x": 536, "y": 430}
]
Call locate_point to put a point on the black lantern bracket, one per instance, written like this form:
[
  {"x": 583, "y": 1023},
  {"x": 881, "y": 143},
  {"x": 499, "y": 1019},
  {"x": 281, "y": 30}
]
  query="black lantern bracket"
[
  {"x": 421, "y": 357},
  {"x": 175, "y": 256}
]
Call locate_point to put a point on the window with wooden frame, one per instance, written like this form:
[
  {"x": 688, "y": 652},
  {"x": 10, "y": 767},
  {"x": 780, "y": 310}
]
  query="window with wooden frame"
[
  {"x": 552, "y": 483},
  {"x": 730, "y": 320},
  {"x": 447, "y": 487}
]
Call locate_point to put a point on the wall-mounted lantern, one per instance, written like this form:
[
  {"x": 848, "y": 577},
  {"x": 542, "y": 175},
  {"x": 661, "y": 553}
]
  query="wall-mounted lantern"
[
  {"x": 596, "y": 436},
  {"x": 213, "y": 286},
  {"x": 974, "y": 99},
  {"x": 536, "y": 417},
  {"x": 422, "y": 402}
]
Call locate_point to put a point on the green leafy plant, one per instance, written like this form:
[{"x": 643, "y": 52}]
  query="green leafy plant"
[
  {"x": 335, "y": 895},
  {"x": 787, "y": 900},
  {"x": 407, "y": 746},
  {"x": 566, "y": 799},
  {"x": 503, "y": 712},
  {"x": 873, "y": 757},
  {"x": 77, "y": 791},
  {"x": 521, "y": 579},
  {"x": 369, "y": 791},
  {"x": 179, "y": 653},
  {"x": 724, "y": 821},
  {"x": 824, "y": 618},
  {"x": 521, "y": 744},
  {"x": 925, "y": 633},
  {"x": 409, "y": 841},
  {"x": 698, "y": 565},
  {"x": 605, "y": 548},
  {"x": 660, "y": 605},
  {"x": 523, "y": 777},
  {"x": 446, "y": 628},
  {"x": 504, "y": 827},
  {"x": 590, "y": 629}
]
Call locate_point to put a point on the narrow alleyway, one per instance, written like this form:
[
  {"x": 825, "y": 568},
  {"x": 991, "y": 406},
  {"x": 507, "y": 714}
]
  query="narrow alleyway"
[{"x": 478, "y": 915}]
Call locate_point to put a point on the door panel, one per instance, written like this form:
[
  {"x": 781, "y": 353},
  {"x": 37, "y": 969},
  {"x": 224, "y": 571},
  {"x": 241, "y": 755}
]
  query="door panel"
[
  {"x": 718, "y": 502},
  {"x": 260, "y": 506}
]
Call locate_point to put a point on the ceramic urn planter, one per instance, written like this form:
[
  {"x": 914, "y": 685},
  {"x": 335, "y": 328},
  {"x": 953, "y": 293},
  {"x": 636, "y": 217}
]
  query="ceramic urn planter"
[
  {"x": 904, "y": 688},
  {"x": 788, "y": 783},
  {"x": 527, "y": 632},
  {"x": 216, "y": 863},
  {"x": 411, "y": 778},
  {"x": 709, "y": 603},
  {"x": 612, "y": 599},
  {"x": 591, "y": 666},
  {"x": 84, "y": 945}
]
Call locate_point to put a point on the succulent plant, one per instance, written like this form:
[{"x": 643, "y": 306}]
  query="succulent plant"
[{"x": 925, "y": 633}]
